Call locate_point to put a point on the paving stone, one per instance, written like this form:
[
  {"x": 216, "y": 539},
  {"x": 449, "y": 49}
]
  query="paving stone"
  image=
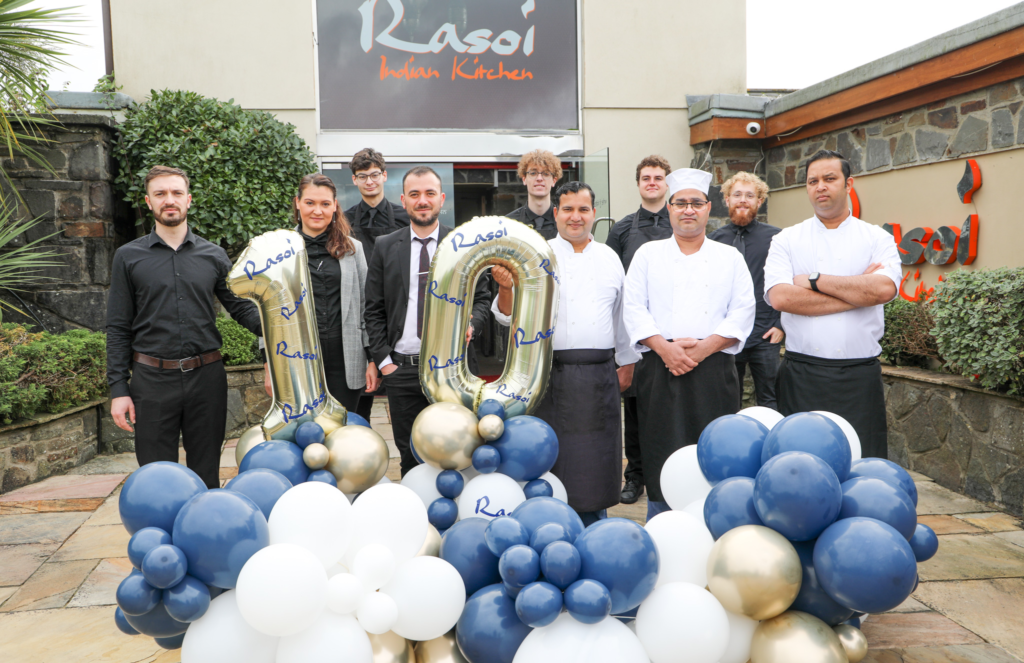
[
  {"x": 66, "y": 487},
  {"x": 952, "y": 654},
  {"x": 18, "y": 563},
  {"x": 51, "y": 586},
  {"x": 101, "y": 585},
  {"x": 228, "y": 473},
  {"x": 934, "y": 499},
  {"x": 40, "y": 527},
  {"x": 97, "y": 542},
  {"x": 50, "y": 506},
  {"x": 1016, "y": 538},
  {"x": 911, "y": 605},
  {"x": 227, "y": 458},
  {"x": 917, "y": 476},
  {"x": 915, "y": 629},
  {"x": 948, "y": 525},
  {"x": 993, "y": 521},
  {"x": 972, "y": 557},
  {"x": 5, "y": 593},
  {"x": 990, "y": 608},
  {"x": 108, "y": 514}
]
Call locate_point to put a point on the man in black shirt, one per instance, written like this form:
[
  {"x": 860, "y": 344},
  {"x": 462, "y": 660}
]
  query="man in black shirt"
[
  {"x": 374, "y": 216},
  {"x": 539, "y": 171},
  {"x": 744, "y": 193},
  {"x": 164, "y": 365},
  {"x": 650, "y": 222}
]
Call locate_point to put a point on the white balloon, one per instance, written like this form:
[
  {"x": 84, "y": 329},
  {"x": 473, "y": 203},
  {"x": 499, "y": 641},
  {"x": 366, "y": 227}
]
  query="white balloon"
[
  {"x": 741, "y": 634},
  {"x": 682, "y": 481},
  {"x": 344, "y": 593},
  {"x": 316, "y": 516},
  {"x": 335, "y": 569},
  {"x": 330, "y": 638},
  {"x": 684, "y": 544},
  {"x": 682, "y": 623},
  {"x": 765, "y": 415},
  {"x": 377, "y": 613},
  {"x": 389, "y": 514},
  {"x": 223, "y": 636},
  {"x": 851, "y": 434},
  {"x": 422, "y": 480},
  {"x": 430, "y": 595},
  {"x": 568, "y": 641},
  {"x": 282, "y": 589},
  {"x": 696, "y": 508},
  {"x": 374, "y": 565},
  {"x": 489, "y": 496}
]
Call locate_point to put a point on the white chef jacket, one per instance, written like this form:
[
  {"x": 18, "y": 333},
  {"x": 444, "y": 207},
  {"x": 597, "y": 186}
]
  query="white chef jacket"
[
  {"x": 810, "y": 247},
  {"x": 409, "y": 343},
  {"x": 695, "y": 296},
  {"x": 590, "y": 296}
]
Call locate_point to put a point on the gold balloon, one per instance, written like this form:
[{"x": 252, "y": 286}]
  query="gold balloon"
[
  {"x": 247, "y": 441},
  {"x": 316, "y": 456},
  {"x": 432, "y": 544},
  {"x": 329, "y": 424},
  {"x": 796, "y": 637},
  {"x": 391, "y": 648},
  {"x": 491, "y": 427},
  {"x": 853, "y": 641},
  {"x": 440, "y": 650},
  {"x": 445, "y": 435},
  {"x": 359, "y": 458},
  {"x": 754, "y": 571}
]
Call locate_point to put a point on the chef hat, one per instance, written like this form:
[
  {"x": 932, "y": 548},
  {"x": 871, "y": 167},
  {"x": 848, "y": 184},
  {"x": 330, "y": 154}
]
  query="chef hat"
[{"x": 688, "y": 178}]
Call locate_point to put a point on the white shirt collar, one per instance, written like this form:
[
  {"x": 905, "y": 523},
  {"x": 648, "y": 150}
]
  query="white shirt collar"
[
  {"x": 845, "y": 223},
  {"x": 433, "y": 235},
  {"x": 567, "y": 245}
]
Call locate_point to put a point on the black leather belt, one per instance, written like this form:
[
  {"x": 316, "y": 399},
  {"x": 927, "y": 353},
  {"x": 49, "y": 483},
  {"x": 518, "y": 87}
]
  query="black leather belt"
[
  {"x": 183, "y": 365},
  {"x": 583, "y": 356},
  {"x": 405, "y": 360}
]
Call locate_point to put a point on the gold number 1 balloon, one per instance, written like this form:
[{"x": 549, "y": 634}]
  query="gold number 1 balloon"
[{"x": 272, "y": 272}]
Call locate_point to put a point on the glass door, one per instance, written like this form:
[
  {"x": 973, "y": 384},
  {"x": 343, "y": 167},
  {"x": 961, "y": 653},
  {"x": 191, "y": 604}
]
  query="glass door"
[{"x": 594, "y": 171}]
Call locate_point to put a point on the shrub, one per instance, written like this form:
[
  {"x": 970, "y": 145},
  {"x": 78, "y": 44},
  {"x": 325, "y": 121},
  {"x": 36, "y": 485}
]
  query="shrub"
[
  {"x": 979, "y": 326},
  {"x": 45, "y": 372},
  {"x": 240, "y": 344},
  {"x": 908, "y": 336},
  {"x": 243, "y": 165}
]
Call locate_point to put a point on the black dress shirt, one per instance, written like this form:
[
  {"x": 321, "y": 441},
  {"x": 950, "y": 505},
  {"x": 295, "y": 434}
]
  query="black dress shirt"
[
  {"x": 369, "y": 223},
  {"x": 651, "y": 226},
  {"x": 542, "y": 223},
  {"x": 161, "y": 303},
  {"x": 757, "y": 239},
  {"x": 325, "y": 277}
]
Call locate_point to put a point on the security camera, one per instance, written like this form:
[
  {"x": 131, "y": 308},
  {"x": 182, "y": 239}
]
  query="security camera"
[{"x": 753, "y": 128}]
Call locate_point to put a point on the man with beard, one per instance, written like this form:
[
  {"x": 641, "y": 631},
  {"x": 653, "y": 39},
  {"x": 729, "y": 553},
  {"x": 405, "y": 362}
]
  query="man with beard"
[
  {"x": 650, "y": 222},
  {"x": 539, "y": 170},
  {"x": 374, "y": 216},
  {"x": 164, "y": 364},
  {"x": 396, "y": 284},
  {"x": 744, "y": 193}
]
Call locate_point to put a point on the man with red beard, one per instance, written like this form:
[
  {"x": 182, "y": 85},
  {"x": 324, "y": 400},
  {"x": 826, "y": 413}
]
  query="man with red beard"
[{"x": 744, "y": 193}]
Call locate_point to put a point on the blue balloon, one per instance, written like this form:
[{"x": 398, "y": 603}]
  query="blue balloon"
[
  {"x": 887, "y": 471},
  {"x": 798, "y": 495},
  {"x": 528, "y": 448},
  {"x": 924, "y": 543},
  {"x": 539, "y": 604},
  {"x": 730, "y": 504},
  {"x": 621, "y": 555},
  {"x": 813, "y": 433},
  {"x": 264, "y": 487},
  {"x": 450, "y": 483},
  {"x": 511, "y": 590},
  {"x": 486, "y": 459},
  {"x": 412, "y": 448},
  {"x": 357, "y": 420},
  {"x": 547, "y": 534},
  {"x": 491, "y": 406},
  {"x": 145, "y": 540},
  {"x": 122, "y": 623},
  {"x": 219, "y": 531},
  {"x": 323, "y": 476},
  {"x": 874, "y": 498},
  {"x": 519, "y": 566},
  {"x": 463, "y": 547},
  {"x": 538, "y": 488},
  {"x": 442, "y": 513},
  {"x": 534, "y": 513},
  {"x": 173, "y": 642},
  {"x": 188, "y": 600},
  {"x": 853, "y": 621},
  {"x": 309, "y": 433},
  {"x": 560, "y": 563},
  {"x": 283, "y": 457},
  {"x": 504, "y": 532},
  {"x": 489, "y": 630},
  {"x": 865, "y": 565},
  {"x": 731, "y": 446},
  {"x": 627, "y": 616},
  {"x": 812, "y": 598},
  {"x": 157, "y": 623},
  {"x": 154, "y": 493},
  {"x": 164, "y": 566},
  {"x": 588, "y": 601},
  {"x": 135, "y": 596}
]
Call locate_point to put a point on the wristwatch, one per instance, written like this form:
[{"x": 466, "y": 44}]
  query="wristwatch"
[{"x": 813, "y": 279}]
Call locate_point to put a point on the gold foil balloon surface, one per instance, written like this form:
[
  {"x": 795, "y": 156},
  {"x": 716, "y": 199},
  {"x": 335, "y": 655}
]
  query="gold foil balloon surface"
[
  {"x": 316, "y": 456},
  {"x": 754, "y": 571},
  {"x": 249, "y": 439},
  {"x": 491, "y": 427},
  {"x": 440, "y": 650},
  {"x": 458, "y": 262},
  {"x": 796, "y": 637},
  {"x": 391, "y": 648},
  {"x": 432, "y": 544},
  {"x": 445, "y": 435},
  {"x": 853, "y": 642},
  {"x": 359, "y": 458}
]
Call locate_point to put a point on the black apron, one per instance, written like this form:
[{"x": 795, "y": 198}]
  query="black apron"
[
  {"x": 582, "y": 406},
  {"x": 851, "y": 388},
  {"x": 674, "y": 409}
]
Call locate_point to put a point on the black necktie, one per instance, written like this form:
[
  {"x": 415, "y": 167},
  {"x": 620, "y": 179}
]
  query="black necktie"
[
  {"x": 739, "y": 243},
  {"x": 424, "y": 272}
]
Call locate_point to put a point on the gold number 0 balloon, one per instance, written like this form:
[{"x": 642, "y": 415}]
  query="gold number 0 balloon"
[
  {"x": 460, "y": 258},
  {"x": 272, "y": 272}
]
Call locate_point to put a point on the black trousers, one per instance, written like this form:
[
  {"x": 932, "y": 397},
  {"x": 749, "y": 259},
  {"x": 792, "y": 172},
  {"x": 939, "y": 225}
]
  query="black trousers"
[
  {"x": 406, "y": 400},
  {"x": 764, "y": 367},
  {"x": 332, "y": 349},
  {"x": 193, "y": 404},
  {"x": 631, "y": 423}
]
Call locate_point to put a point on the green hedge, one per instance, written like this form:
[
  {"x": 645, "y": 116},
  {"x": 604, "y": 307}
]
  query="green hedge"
[
  {"x": 50, "y": 373},
  {"x": 908, "y": 339},
  {"x": 240, "y": 345}
]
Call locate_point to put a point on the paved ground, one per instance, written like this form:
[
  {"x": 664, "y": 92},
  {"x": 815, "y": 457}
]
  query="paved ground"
[{"x": 62, "y": 551}]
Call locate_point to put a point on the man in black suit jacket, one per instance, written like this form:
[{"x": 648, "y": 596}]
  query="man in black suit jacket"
[
  {"x": 396, "y": 282},
  {"x": 374, "y": 216}
]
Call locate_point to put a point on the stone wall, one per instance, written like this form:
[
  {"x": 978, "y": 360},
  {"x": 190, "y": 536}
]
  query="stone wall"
[{"x": 723, "y": 160}]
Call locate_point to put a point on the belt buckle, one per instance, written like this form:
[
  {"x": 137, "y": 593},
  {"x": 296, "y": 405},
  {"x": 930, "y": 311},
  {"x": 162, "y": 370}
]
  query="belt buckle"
[
  {"x": 414, "y": 360},
  {"x": 181, "y": 364}
]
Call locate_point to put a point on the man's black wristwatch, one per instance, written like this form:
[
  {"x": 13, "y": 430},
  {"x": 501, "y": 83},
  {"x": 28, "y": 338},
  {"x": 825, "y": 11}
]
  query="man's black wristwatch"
[{"x": 813, "y": 280}]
